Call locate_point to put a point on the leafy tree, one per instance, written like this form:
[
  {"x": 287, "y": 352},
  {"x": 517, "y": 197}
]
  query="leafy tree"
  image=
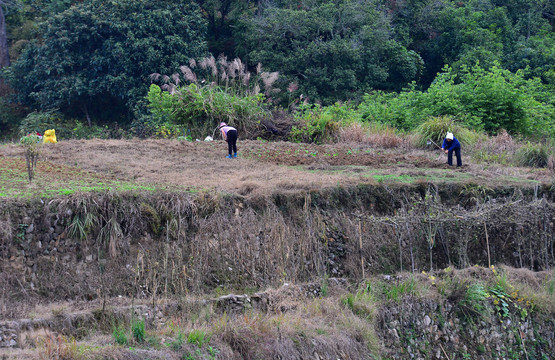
[
  {"x": 537, "y": 56},
  {"x": 332, "y": 49},
  {"x": 95, "y": 57},
  {"x": 222, "y": 16}
]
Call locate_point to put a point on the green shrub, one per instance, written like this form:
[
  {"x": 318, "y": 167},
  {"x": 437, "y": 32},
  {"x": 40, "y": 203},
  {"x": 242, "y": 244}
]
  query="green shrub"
[
  {"x": 480, "y": 99},
  {"x": 120, "y": 336},
  {"x": 317, "y": 124},
  {"x": 400, "y": 110},
  {"x": 32, "y": 144},
  {"x": 83, "y": 131},
  {"x": 41, "y": 121},
  {"x": 65, "y": 128},
  {"x": 202, "y": 108},
  {"x": 532, "y": 155},
  {"x": 138, "y": 330},
  {"x": 435, "y": 129},
  {"x": 217, "y": 91}
]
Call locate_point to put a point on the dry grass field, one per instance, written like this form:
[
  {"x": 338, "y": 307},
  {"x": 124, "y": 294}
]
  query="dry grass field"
[{"x": 261, "y": 168}]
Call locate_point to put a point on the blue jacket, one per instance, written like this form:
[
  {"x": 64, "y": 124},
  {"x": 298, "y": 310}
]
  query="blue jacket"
[{"x": 454, "y": 144}]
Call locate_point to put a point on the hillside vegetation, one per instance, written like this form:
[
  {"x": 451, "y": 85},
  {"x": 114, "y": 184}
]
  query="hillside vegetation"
[{"x": 293, "y": 71}]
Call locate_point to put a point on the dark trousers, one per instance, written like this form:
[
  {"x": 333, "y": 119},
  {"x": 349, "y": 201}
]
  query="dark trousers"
[
  {"x": 232, "y": 141},
  {"x": 457, "y": 151}
]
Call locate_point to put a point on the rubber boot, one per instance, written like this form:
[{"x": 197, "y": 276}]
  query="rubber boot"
[
  {"x": 229, "y": 156},
  {"x": 235, "y": 155}
]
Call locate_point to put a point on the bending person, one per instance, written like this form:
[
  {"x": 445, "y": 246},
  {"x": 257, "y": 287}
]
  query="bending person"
[
  {"x": 230, "y": 135},
  {"x": 450, "y": 144}
]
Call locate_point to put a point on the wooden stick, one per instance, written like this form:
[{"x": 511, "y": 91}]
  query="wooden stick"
[
  {"x": 487, "y": 243},
  {"x": 360, "y": 246},
  {"x": 523, "y": 346},
  {"x": 447, "y": 356}
]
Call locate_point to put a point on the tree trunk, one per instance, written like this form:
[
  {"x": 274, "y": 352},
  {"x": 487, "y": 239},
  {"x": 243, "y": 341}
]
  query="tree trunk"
[
  {"x": 4, "y": 54},
  {"x": 87, "y": 115}
]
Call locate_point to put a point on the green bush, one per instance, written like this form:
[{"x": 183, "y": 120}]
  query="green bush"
[
  {"x": 217, "y": 91},
  {"x": 120, "y": 336},
  {"x": 400, "y": 110},
  {"x": 41, "y": 121},
  {"x": 480, "y": 99},
  {"x": 435, "y": 129},
  {"x": 317, "y": 124},
  {"x": 201, "y": 108},
  {"x": 532, "y": 155},
  {"x": 138, "y": 330}
]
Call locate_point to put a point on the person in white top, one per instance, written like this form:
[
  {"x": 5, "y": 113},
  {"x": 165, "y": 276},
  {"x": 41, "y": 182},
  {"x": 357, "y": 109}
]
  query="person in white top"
[{"x": 229, "y": 134}]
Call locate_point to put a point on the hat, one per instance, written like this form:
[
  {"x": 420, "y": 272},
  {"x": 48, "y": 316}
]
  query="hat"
[
  {"x": 449, "y": 136},
  {"x": 222, "y": 124}
]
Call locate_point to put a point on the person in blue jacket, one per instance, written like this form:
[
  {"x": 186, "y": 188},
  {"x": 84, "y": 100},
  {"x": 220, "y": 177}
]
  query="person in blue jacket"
[{"x": 450, "y": 144}]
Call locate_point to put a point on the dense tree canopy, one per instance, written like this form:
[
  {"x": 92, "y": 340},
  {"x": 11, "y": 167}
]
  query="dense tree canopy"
[
  {"x": 333, "y": 49},
  {"x": 85, "y": 56},
  {"x": 102, "y": 52}
]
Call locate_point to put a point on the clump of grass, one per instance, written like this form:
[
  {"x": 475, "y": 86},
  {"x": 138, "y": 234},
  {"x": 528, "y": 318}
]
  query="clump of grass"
[
  {"x": 363, "y": 303},
  {"x": 396, "y": 290},
  {"x": 120, "y": 335},
  {"x": 59, "y": 311},
  {"x": 435, "y": 129},
  {"x": 495, "y": 149},
  {"x": 472, "y": 303},
  {"x": 178, "y": 342},
  {"x": 198, "y": 337},
  {"x": 58, "y": 347},
  {"x": 532, "y": 155}
]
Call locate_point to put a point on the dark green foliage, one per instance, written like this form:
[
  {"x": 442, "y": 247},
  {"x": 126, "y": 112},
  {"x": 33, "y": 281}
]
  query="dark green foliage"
[
  {"x": 91, "y": 59},
  {"x": 10, "y": 115},
  {"x": 334, "y": 50},
  {"x": 95, "y": 57}
]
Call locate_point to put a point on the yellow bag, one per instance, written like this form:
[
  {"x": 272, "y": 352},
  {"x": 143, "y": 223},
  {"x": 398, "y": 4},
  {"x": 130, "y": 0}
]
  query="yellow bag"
[{"x": 49, "y": 136}]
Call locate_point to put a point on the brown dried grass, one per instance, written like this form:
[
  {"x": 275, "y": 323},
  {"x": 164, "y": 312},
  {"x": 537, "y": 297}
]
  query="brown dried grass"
[
  {"x": 375, "y": 135},
  {"x": 171, "y": 163}
]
